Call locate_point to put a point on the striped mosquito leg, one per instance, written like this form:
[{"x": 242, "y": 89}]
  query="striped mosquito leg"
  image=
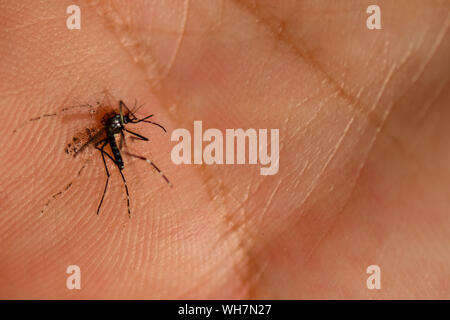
[
  {"x": 126, "y": 190},
  {"x": 153, "y": 165},
  {"x": 157, "y": 169}
]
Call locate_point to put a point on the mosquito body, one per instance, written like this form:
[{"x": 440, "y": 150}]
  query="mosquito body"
[
  {"x": 114, "y": 125},
  {"x": 111, "y": 125}
]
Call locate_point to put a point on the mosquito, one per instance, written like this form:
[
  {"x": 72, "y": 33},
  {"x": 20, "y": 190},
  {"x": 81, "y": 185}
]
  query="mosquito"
[{"x": 115, "y": 124}]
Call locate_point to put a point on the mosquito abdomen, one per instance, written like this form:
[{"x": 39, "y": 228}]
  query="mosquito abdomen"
[{"x": 115, "y": 151}]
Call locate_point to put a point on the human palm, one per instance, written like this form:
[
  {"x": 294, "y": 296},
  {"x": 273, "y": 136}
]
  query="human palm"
[{"x": 364, "y": 150}]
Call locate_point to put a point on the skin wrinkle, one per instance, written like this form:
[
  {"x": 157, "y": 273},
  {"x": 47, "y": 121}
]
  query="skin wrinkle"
[
  {"x": 300, "y": 175},
  {"x": 345, "y": 132},
  {"x": 243, "y": 250},
  {"x": 202, "y": 282},
  {"x": 254, "y": 274},
  {"x": 315, "y": 115},
  {"x": 281, "y": 34},
  {"x": 251, "y": 78},
  {"x": 337, "y": 216},
  {"x": 90, "y": 254},
  {"x": 402, "y": 62},
  {"x": 113, "y": 259},
  {"x": 420, "y": 40},
  {"x": 382, "y": 89},
  {"x": 248, "y": 187},
  {"x": 252, "y": 292},
  {"x": 206, "y": 276},
  {"x": 436, "y": 94},
  {"x": 268, "y": 203},
  {"x": 139, "y": 52},
  {"x": 314, "y": 182},
  {"x": 181, "y": 34},
  {"x": 19, "y": 263},
  {"x": 436, "y": 44},
  {"x": 134, "y": 271},
  {"x": 407, "y": 55},
  {"x": 335, "y": 220},
  {"x": 129, "y": 249},
  {"x": 386, "y": 114},
  {"x": 234, "y": 226},
  {"x": 302, "y": 129},
  {"x": 328, "y": 231},
  {"x": 143, "y": 254},
  {"x": 246, "y": 268},
  {"x": 140, "y": 251},
  {"x": 246, "y": 240},
  {"x": 323, "y": 102},
  {"x": 76, "y": 64},
  {"x": 384, "y": 246},
  {"x": 40, "y": 21},
  {"x": 387, "y": 47}
]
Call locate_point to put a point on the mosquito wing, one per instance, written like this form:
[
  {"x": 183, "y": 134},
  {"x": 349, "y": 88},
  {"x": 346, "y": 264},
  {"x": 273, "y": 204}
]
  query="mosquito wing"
[{"x": 93, "y": 138}]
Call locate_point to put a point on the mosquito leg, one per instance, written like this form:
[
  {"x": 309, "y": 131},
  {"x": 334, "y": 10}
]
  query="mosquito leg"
[
  {"x": 132, "y": 112},
  {"x": 122, "y": 142},
  {"x": 148, "y": 121},
  {"x": 122, "y": 106},
  {"x": 126, "y": 190},
  {"x": 50, "y": 115},
  {"x": 145, "y": 118},
  {"x": 136, "y": 107},
  {"x": 137, "y": 135},
  {"x": 45, "y": 115},
  {"x": 155, "y": 123},
  {"x": 152, "y": 164},
  {"x": 66, "y": 188},
  {"x": 105, "y": 142}
]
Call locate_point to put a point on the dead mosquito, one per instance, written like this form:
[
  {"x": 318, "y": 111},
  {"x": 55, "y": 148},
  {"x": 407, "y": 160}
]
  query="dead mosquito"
[{"x": 115, "y": 124}]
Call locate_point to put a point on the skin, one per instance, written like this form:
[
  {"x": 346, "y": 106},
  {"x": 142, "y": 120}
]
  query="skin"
[{"x": 364, "y": 150}]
